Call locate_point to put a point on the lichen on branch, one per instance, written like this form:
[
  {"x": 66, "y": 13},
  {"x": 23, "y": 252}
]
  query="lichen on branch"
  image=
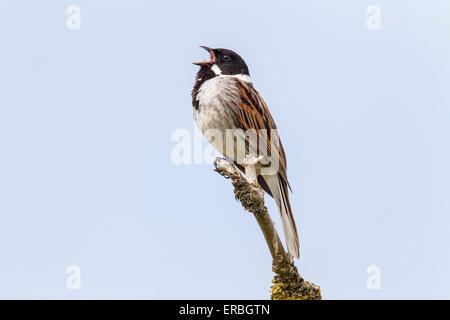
[{"x": 288, "y": 284}]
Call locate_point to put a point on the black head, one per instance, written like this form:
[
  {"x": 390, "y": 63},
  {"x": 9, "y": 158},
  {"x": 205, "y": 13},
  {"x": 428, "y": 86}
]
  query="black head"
[{"x": 224, "y": 61}]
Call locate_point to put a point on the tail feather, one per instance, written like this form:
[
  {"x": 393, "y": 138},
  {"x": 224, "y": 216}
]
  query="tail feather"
[{"x": 279, "y": 191}]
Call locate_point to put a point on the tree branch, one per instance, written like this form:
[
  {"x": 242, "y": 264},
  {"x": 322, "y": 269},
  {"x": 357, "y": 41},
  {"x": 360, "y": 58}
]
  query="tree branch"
[{"x": 288, "y": 284}]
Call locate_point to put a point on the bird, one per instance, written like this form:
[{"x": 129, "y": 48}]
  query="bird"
[{"x": 224, "y": 100}]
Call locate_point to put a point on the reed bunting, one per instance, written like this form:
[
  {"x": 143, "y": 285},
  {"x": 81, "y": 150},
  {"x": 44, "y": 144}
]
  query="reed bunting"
[{"x": 225, "y": 102}]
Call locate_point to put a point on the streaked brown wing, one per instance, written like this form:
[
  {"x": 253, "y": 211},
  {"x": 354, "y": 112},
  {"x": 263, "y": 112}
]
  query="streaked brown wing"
[{"x": 254, "y": 114}]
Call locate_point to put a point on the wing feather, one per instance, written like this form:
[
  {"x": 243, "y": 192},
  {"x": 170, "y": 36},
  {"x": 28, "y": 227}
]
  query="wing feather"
[{"x": 254, "y": 114}]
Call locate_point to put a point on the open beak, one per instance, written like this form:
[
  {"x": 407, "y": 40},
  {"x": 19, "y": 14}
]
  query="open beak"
[{"x": 212, "y": 58}]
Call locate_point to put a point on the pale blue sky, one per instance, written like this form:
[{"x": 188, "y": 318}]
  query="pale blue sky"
[{"x": 86, "y": 118}]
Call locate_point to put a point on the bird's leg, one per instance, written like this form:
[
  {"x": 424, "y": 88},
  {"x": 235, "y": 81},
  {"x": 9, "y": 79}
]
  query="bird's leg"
[{"x": 250, "y": 164}]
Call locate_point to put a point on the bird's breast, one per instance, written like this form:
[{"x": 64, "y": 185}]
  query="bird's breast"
[
  {"x": 217, "y": 104},
  {"x": 217, "y": 109}
]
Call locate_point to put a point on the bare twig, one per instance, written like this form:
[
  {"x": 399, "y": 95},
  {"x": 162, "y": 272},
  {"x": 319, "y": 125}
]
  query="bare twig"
[{"x": 288, "y": 284}]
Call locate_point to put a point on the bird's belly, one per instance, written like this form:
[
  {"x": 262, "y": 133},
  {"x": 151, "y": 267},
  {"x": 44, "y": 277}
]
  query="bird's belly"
[
  {"x": 213, "y": 117},
  {"x": 216, "y": 124}
]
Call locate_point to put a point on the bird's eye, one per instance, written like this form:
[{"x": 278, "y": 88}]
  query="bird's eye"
[{"x": 226, "y": 58}]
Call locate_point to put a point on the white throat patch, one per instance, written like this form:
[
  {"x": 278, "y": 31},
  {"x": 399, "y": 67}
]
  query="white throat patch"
[
  {"x": 242, "y": 77},
  {"x": 216, "y": 69}
]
